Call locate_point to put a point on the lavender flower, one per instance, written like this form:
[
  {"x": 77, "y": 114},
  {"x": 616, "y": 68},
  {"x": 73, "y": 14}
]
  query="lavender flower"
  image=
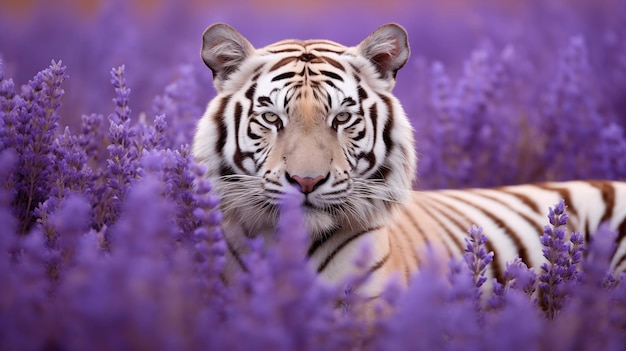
[
  {"x": 560, "y": 270},
  {"x": 517, "y": 277},
  {"x": 435, "y": 313},
  {"x": 442, "y": 137},
  {"x": 593, "y": 317},
  {"x": 179, "y": 102},
  {"x": 32, "y": 124},
  {"x": 91, "y": 139},
  {"x": 472, "y": 273},
  {"x": 516, "y": 325},
  {"x": 122, "y": 108},
  {"x": 476, "y": 256},
  {"x": 8, "y": 119},
  {"x": 152, "y": 136},
  {"x": 465, "y": 122},
  {"x": 210, "y": 246},
  {"x": 178, "y": 172},
  {"x": 571, "y": 100},
  {"x": 123, "y": 154}
]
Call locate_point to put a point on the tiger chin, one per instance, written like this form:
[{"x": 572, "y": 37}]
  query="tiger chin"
[{"x": 317, "y": 121}]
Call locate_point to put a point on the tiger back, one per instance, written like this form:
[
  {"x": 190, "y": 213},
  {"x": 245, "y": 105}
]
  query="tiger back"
[{"x": 317, "y": 121}]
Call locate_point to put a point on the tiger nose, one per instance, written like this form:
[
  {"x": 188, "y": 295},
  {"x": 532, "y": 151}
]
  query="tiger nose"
[{"x": 307, "y": 184}]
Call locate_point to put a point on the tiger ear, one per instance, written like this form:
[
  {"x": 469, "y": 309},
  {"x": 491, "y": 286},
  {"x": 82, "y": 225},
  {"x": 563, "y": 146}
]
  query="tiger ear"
[
  {"x": 387, "y": 48},
  {"x": 223, "y": 50}
]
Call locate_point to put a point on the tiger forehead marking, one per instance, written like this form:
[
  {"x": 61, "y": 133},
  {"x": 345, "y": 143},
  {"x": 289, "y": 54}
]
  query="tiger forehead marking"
[{"x": 307, "y": 73}]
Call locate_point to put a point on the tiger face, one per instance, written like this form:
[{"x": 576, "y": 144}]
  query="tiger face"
[{"x": 314, "y": 120}]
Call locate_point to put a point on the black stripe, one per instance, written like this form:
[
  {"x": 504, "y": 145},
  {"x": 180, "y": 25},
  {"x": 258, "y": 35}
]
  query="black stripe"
[
  {"x": 282, "y": 76},
  {"x": 572, "y": 212},
  {"x": 370, "y": 156},
  {"x": 362, "y": 96},
  {"x": 348, "y": 101},
  {"x": 336, "y": 192},
  {"x": 521, "y": 249},
  {"x": 239, "y": 156},
  {"x": 329, "y": 103},
  {"x": 359, "y": 136},
  {"x": 253, "y": 136},
  {"x": 223, "y": 278},
  {"x": 222, "y": 130},
  {"x": 381, "y": 173},
  {"x": 257, "y": 73},
  {"x": 320, "y": 240},
  {"x": 264, "y": 100},
  {"x": 250, "y": 92},
  {"x": 282, "y": 63},
  {"x": 338, "y": 52},
  {"x": 226, "y": 170},
  {"x": 340, "y": 247},
  {"x": 331, "y": 75},
  {"x": 524, "y": 199},
  {"x": 608, "y": 197},
  {"x": 460, "y": 245},
  {"x": 237, "y": 116},
  {"x": 497, "y": 271},
  {"x": 330, "y": 84},
  {"x": 250, "y": 95},
  {"x": 409, "y": 237},
  {"x": 356, "y": 121},
  {"x": 337, "y": 183},
  {"x": 378, "y": 265},
  {"x": 315, "y": 96},
  {"x": 285, "y": 50},
  {"x": 402, "y": 254},
  {"x": 235, "y": 254},
  {"x": 388, "y": 126},
  {"x": 564, "y": 193},
  {"x": 412, "y": 247},
  {"x": 334, "y": 63},
  {"x": 538, "y": 227},
  {"x": 621, "y": 231}
]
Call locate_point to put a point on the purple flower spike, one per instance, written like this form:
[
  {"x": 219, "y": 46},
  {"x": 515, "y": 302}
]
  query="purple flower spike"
[
  {"x": 519, "y": 277},
  {"x": 593, "y": 318},
  {"x": 560, "y": 270},
  {"x": 476, "y": 256},
  {"x": 122, "y": 108},
  {"x": 29, "y": 123}
]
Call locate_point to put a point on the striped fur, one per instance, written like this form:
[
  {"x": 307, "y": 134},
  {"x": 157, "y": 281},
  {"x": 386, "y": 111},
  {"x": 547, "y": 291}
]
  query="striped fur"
[{"x": 317, "y": 120}]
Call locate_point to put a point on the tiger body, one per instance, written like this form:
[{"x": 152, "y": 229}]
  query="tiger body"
[{"x": 317, "y": 121}]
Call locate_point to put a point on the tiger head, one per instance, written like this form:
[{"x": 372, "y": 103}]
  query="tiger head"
[{"x": 313, "y": 119}]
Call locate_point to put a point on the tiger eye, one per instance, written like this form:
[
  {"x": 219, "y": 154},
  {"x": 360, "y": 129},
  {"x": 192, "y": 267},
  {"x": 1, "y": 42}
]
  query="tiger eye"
[
  {"x": 342, "y": 117},
  {"x": 270, "y": 117}
]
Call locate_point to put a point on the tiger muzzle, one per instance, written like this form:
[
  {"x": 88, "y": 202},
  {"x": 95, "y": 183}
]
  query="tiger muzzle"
[{"x": 307, "y": 184}]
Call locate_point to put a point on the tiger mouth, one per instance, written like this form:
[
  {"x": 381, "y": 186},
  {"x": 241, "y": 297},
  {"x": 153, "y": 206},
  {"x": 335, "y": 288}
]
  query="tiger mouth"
[{"x": 310, "y": 208}]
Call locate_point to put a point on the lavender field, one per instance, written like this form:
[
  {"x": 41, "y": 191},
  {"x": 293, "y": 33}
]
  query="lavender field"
[{"x": 110, "y": 238}]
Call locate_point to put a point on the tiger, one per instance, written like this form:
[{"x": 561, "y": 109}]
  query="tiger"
[{"x": 317, "y": 121}]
